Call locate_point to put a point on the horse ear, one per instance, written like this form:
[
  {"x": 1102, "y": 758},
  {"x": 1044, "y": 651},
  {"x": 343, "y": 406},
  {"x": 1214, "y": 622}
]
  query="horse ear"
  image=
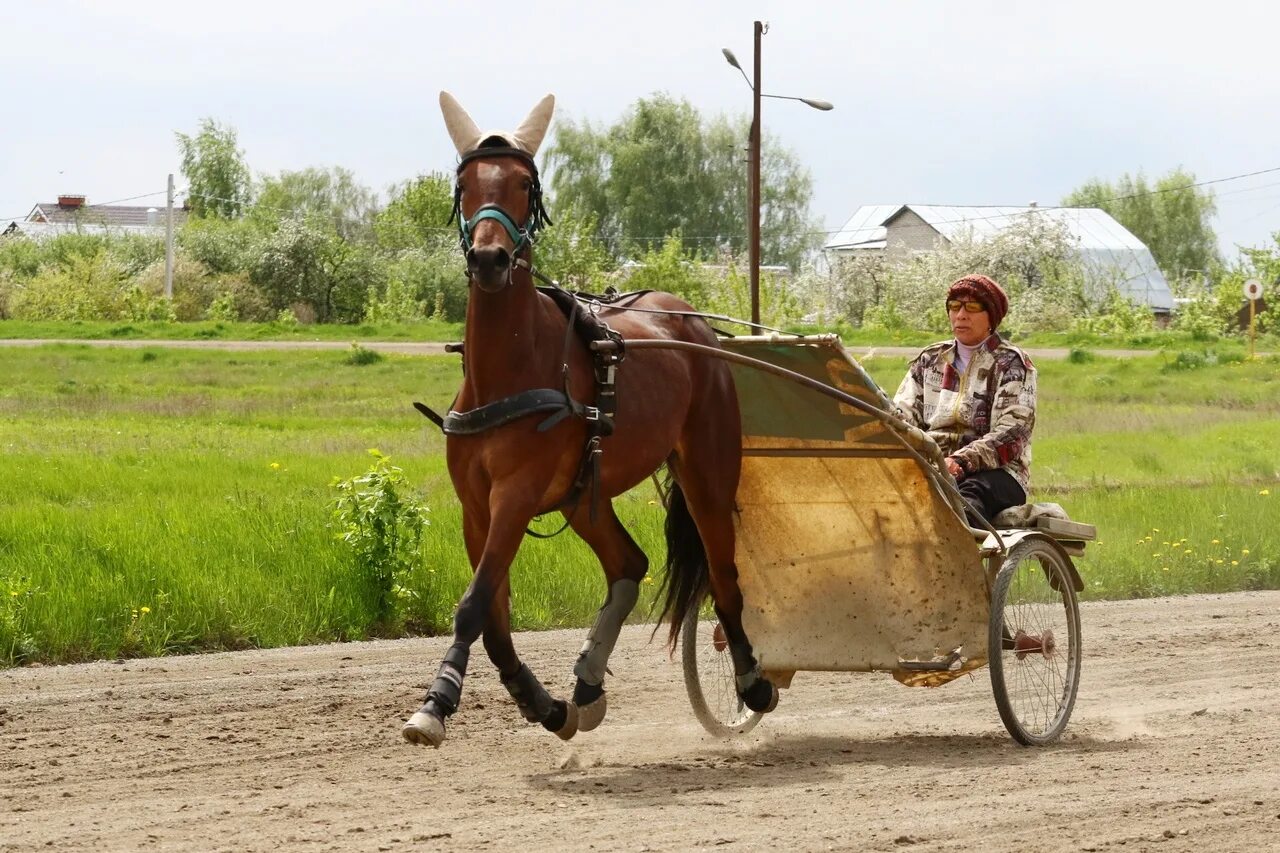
[
  {"x": 462, "y": 129},
  {"x": 534, "y": 127}
]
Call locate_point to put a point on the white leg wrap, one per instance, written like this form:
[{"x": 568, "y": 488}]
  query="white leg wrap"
[{"x": 594, "y": 656}]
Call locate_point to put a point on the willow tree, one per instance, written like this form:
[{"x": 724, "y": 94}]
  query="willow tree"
[{"x": 664, "y": 168}]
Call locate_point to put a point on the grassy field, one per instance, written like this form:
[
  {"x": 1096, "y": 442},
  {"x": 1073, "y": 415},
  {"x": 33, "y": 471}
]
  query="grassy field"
[
  {"x": 157, "y": 500},
  {"x": 440, "y": 331}
]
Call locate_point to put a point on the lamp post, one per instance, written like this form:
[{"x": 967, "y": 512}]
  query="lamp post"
[{"x": 753, "y": 163}]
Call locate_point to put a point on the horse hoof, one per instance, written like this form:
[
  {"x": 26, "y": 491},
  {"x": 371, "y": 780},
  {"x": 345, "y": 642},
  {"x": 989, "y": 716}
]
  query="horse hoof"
[
  {"x": 761, "y": 697},
  {"x": 592, "y": 714},
  {"x": 570, "y": 727},
  {"x": 424, "y": 729}
]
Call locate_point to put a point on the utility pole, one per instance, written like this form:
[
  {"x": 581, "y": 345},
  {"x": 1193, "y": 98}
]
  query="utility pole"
[
  {"x": 168, "y": 243},
  {"x": 753, "y": 165},
  {"x": 754, "y": 184}
]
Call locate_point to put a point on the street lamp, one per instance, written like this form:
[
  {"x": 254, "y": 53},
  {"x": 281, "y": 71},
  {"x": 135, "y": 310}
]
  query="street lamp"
[{"x": 753, "y": 162}]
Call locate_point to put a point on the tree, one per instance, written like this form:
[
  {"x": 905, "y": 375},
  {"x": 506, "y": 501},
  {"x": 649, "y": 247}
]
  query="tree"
[
  {"x": 333, "y": 195},
  {"x": 417, "y": 216},
  {"x": 663, "y": 169},
  {"x": 1171, "y": 218},
  {"x": 218, "y": 179},
  {"x": 312, "y": 271}
]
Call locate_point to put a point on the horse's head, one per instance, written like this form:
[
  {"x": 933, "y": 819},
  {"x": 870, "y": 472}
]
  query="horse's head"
[{"x": 498, "y": 198}]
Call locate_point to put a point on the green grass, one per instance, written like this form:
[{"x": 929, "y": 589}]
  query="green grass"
[
  {"x": 157, "y": 500},
  {"x": 441, "y": 331}
]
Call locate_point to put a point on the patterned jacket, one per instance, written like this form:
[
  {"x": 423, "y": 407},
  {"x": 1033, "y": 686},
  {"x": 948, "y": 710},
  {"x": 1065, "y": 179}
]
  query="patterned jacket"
[{"x": 983, "y": 417}]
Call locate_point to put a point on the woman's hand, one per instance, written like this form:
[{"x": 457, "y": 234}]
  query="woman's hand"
[{"x": 954, "y": 467}]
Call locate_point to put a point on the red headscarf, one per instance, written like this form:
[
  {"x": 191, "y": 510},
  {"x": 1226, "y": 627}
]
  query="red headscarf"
[{"x": 984, "y": 290}]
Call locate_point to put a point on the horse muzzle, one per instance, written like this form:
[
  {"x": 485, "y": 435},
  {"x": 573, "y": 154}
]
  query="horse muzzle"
[{"x": 489, "y": 267}]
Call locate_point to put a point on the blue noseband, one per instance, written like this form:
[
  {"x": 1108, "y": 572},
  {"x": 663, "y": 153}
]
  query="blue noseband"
[{"x": 518, "y": 235}]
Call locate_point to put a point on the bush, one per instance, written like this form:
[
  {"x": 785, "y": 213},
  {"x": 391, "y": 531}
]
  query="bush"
[
  {"x": 382, "y": 523},
  {"x": 309, "y": 269},
  {"x": 1117, "y": 316},
  {"x": 86, "y": 287},
  {"x": 359, "y": 356}
]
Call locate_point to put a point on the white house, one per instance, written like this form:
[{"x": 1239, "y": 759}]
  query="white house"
[
  {"x": 72, "y": 214},
  {"x": 1110, "y": 255}
]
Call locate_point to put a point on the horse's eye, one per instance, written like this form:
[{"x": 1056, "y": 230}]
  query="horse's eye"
[{"x": 528, "y": 184}]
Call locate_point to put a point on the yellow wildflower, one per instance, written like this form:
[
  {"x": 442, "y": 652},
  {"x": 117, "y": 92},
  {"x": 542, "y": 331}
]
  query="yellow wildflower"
[
  {"x": 14, "y": 593},
  {"x": 1244, "y": 550},
  {"x": 1157, "y": 555},
  {"x": 275, "y": 466},
  {"x": 1219, "y": 562},
  {"x": 1214, "y": 542},
  {"x": 1265, "y": 492},
  {"x": 1235, "y": 562},
  {"x": 144, "y": 609}
]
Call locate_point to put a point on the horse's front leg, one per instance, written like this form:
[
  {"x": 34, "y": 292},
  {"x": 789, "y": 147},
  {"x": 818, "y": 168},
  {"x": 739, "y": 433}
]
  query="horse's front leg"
[
  {"x": 535, "y": 703},
  {"x": 496, "y": 537},
  {"x": 624, "y": 566}
]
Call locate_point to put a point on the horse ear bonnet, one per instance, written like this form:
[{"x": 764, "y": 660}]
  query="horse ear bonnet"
[{"x": 467, "y": 136}]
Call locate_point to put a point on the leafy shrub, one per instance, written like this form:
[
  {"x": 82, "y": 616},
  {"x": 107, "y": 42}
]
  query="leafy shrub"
[
  {"x": 359, "y": 356},
  {"x": 86, "y": 287},
  {"x": 382, "y": 523},
  {"x": 1117, "y": 316}
]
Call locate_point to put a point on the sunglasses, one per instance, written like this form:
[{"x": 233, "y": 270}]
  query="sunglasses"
[{"x": 970, "y": 306}]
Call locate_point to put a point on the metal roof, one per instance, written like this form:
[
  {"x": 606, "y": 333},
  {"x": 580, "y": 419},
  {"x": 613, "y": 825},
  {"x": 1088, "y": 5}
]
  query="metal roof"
[
  {"x": 1110, "y": 254},
  {"x": 44, "y": 230}
]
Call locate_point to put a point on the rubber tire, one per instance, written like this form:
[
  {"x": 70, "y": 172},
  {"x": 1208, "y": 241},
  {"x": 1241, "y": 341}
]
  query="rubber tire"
[
  {"x": 1060, "y": 593},
  {"x": 702, "y": 684}
]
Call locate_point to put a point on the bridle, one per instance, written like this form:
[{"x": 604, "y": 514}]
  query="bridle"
[{"x": 521, "y": 235}]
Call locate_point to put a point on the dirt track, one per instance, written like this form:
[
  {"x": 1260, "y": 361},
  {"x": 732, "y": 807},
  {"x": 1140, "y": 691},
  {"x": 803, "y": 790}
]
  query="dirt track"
[{"x": 1175, "y": 746}]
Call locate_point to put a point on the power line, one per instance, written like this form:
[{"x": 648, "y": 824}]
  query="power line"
[
  {"x": 696, "y": 238},
  {"x": 97, "y": 204}
]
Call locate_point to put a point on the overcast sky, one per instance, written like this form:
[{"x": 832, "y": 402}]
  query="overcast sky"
[{"x": 944, "y": 103}]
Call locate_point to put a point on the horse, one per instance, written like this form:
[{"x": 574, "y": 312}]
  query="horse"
[{"x": 510, "y": 461}]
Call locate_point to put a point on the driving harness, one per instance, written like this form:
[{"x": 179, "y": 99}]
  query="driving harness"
[{"x": 559, "y": 404}]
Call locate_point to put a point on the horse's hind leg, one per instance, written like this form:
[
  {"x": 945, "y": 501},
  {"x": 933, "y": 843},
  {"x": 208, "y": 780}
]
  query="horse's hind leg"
[
  {"x": 624, "y": 566},
  {"x": 710, "y": 502}
]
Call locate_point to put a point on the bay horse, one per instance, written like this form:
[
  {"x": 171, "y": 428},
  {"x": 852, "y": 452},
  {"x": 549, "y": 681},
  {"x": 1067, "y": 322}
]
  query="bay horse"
[{"x": 509, "y": 461}]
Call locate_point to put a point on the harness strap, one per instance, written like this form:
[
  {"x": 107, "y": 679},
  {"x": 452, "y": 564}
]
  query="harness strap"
[{"x": 508, "y": 409}]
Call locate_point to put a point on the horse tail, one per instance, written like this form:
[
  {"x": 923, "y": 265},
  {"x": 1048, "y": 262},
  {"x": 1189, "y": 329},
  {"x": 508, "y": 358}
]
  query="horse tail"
[{"x": 686, "y": 578}]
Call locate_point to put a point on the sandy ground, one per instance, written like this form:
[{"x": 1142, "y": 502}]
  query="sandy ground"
[{"x": 1174, "y": 746}]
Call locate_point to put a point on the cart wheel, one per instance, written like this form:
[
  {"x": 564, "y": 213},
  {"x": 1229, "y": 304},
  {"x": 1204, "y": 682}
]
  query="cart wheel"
[
  {"x": 708, "y": 675},
  {"x": 1034, "y": 643}
]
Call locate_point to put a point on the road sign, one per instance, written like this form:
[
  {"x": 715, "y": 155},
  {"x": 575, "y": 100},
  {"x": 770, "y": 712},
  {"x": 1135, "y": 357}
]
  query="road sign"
[{"x": 1253, "y": 289}]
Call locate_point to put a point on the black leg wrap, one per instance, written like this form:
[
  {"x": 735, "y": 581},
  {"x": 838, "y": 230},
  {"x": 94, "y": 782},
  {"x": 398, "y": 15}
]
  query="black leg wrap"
[
  {"x": 531, "y": 697},
  {"x": 584, "y": 694},
  {"x": 446, "y": 690},
  {"x": 555, "y": 721}
]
